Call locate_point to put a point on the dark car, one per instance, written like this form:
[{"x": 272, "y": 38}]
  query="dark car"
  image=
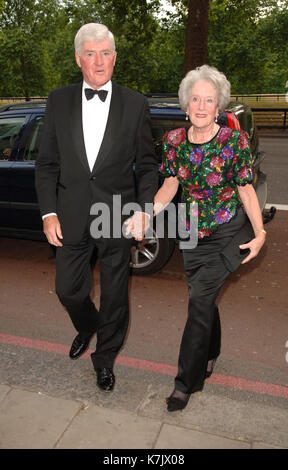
[{"x": 20, "y": 133}]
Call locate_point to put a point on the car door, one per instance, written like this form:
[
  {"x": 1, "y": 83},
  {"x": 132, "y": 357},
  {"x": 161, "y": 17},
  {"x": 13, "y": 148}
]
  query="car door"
[
  {"x": 10, "y": 129},
  {"x": 24, "y": 205}
]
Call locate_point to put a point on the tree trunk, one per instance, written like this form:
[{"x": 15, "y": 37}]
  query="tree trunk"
[{"x": 196, "y": 34}]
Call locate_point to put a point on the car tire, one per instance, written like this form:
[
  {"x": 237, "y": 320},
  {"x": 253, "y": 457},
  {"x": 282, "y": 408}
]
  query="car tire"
[{"x": 151, "y": 254}]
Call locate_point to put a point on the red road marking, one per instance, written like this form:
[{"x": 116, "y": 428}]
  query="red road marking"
[{"x": 157, "y": 367}]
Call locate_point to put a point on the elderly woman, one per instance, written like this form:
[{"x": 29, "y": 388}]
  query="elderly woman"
[{"x": 213, "y": 165}]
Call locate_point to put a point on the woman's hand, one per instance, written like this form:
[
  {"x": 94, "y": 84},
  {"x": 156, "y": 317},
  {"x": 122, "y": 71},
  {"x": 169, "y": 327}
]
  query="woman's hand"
[{"x": 254, "y": 246}]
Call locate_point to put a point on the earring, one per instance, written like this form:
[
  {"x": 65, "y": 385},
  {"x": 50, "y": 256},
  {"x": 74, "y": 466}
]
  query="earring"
[{"x": 187, "y": 117}]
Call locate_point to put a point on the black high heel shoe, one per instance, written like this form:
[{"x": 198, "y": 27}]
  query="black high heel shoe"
[
  {"x": 177, "y": 401},
  {"x": 210, "y": 367}
]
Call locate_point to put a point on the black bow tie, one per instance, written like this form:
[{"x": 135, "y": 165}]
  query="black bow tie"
[{"x": 101, "y": 93}]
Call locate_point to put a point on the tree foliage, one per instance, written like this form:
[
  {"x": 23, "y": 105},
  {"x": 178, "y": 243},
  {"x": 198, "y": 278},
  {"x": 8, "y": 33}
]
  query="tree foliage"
[
  {"x": 247, "y": 40},
  {"x": 240, "y": 46}
]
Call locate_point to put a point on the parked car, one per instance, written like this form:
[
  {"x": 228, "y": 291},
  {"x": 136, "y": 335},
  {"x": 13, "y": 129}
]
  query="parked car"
[{"x": 20, "y": 133}]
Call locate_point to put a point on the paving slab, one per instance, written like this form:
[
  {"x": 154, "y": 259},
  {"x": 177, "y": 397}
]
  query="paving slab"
[
  {"x": 175, "y": 437},
  {"x": 32, "y": 420},
  {"x": 102, "y": 428}
]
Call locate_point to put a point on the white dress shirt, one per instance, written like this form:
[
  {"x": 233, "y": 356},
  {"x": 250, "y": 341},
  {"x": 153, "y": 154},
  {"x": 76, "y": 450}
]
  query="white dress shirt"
[{"x": 94, "y": 120}]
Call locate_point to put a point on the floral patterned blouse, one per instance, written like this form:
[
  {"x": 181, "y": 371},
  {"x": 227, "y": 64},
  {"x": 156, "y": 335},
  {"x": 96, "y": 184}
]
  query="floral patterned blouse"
[{"x": 209, "y": 173}]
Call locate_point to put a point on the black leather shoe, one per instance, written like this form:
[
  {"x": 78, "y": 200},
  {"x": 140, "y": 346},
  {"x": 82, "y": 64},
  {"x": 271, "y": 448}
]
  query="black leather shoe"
[
  {"x": 105, "y": 379},
  {"x": 79, "y": 346}
]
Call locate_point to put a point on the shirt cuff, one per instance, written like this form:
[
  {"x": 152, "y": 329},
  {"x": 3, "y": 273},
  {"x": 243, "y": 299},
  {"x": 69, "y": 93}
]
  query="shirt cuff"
[{"x": 47, "y": 215}]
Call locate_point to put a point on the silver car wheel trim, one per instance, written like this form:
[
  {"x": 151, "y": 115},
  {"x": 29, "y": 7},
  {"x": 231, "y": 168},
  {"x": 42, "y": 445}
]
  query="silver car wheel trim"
[{"x": 144, "y": 253}]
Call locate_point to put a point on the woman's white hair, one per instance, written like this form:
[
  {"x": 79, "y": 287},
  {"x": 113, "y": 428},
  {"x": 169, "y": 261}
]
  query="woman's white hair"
[
  {"x": 212, "y": 75},
  {"x": 92, "y": 32}
]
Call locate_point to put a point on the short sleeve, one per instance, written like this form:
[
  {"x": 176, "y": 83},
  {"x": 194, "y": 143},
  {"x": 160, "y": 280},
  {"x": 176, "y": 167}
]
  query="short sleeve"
[
  {"x": 168, "y": 166},
  {"x": 243, "y": 168},
  {"x": 171, "y": 141}
]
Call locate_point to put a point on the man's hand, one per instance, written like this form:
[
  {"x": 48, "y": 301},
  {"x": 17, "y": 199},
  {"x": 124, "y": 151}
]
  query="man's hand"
[
  {"x": 137, "y": 225},
  {"x": 52, "y": 230}
]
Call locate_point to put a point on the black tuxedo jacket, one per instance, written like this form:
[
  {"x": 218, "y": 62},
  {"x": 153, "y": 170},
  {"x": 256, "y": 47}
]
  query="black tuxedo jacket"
[{"x": 126, "y": 164}]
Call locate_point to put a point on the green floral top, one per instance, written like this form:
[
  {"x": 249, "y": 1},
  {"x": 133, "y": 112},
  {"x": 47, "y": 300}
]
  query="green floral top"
[{"x": 209, "y": 173}]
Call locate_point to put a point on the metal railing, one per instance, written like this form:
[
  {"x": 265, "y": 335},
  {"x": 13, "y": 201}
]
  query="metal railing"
[
  {"x": 15, "y": 99},
  {"x": 260, "y": 97},
  {"x": 271, "y": 118}
]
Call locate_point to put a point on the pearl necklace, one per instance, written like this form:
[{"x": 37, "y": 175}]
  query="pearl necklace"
[{"x": 206, "y": 140}]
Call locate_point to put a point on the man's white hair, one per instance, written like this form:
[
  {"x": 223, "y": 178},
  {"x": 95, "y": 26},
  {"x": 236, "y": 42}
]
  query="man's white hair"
[{"x": 92, "y": 32}]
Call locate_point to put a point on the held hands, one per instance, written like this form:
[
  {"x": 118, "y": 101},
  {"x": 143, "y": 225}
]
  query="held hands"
[
  {"x": 137, "y": 225},
  {"x": 52, "y": 230},
  {"x": 254, "y": 245}
]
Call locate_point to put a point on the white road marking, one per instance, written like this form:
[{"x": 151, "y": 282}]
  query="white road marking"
[{"x": 280, "y": 207}]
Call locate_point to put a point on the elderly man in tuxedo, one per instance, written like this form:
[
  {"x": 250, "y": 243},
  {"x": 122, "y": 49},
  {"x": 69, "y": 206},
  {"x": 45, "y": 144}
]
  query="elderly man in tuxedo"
[{"x": 96, "y": 145}]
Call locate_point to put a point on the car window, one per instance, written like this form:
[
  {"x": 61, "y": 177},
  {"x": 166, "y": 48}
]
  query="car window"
[
  {"x": 9, "y": 129},
  {"x": 32, "y": 147}
]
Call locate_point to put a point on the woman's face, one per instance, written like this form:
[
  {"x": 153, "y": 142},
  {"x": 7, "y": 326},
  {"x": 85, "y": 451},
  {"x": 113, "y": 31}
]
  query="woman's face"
[{"x": 203, "y": 104}]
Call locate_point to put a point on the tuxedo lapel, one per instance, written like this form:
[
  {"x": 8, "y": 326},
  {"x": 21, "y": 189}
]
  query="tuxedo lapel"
[
  {"x": 77, "y": 127},
  {"x": 114, "y": 118}
]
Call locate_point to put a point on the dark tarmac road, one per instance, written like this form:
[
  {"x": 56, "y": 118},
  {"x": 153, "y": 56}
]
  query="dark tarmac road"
[{"x": 36, "y": 333}]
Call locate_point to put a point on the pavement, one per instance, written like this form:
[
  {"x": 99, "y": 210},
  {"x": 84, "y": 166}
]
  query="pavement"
[{"x": 36, "y": 420}]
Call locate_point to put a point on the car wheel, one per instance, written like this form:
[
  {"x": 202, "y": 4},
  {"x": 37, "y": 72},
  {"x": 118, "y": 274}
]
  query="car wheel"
[{"x": 151, "y": 254}]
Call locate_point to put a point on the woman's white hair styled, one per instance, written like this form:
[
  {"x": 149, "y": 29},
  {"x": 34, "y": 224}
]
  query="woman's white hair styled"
[
  {"x": 92, "y": 32},
  {"x": 212, "y": 75}
]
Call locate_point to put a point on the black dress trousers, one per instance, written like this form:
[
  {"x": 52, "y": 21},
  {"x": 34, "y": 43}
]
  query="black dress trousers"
[
  {"x": 73, "y": 287},
  {"x": 206, "y": 270}
]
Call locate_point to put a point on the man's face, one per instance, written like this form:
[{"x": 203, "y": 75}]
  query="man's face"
[{"x": 97, "y": 62}]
